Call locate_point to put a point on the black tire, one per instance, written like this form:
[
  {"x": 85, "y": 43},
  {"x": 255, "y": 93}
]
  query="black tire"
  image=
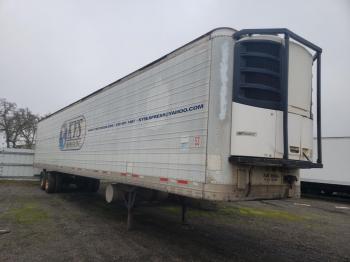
[
  {"x": 59, "y": 183},
  {"x": 50, "y": 185},
  {"x": 93, "y": 185},
  {"x": 42, "y": 180}
]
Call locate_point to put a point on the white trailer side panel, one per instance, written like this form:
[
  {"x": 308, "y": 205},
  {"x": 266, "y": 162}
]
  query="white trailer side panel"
[
  {"x": 336, "y": 157},
  {"x": 15, "y": 162},
  {"x": 153, "y": 124}
]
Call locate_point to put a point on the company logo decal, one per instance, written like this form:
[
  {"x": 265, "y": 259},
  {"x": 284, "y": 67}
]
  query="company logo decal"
[{"x": 72, "y": 134}]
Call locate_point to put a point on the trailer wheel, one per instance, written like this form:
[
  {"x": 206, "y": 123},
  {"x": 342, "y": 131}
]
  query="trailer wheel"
[
  {"x": 50, "y": 183},
  {"x": 43, "y": 180}
]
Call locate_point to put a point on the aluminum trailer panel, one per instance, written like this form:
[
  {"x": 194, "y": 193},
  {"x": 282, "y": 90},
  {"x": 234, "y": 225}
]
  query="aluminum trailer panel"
[
  {"x": 168, "y": 126},
  {"x": 16, "y": 162},
  {"x": 336, "y": 155}
]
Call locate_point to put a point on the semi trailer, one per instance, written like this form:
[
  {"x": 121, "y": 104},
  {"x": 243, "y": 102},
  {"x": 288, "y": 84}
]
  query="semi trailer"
[
  {"x": 335, "y": 176},
  {"x": 228, "y": 116}
]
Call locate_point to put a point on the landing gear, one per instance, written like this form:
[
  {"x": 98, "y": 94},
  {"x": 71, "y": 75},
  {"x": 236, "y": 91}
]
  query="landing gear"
[
  {"x": 127, "y": 194},
  {"x": 129, "y": 201}
]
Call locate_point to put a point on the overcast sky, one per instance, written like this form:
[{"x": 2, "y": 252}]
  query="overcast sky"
[{"x": 54, "y": 52}]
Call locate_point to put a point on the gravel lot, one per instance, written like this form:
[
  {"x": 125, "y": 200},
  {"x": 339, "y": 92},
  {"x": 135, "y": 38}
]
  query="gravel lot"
[{"x": 75, "y": 226}]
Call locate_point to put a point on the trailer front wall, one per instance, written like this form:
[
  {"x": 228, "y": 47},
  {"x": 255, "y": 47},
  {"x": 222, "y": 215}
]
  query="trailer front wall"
[
  {"x": 151, "y": 125},
  {"x": 219, "y": 170}
]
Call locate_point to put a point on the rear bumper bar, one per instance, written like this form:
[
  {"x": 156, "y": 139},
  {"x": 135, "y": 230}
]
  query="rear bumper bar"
[{"x": 276, "y": 162}]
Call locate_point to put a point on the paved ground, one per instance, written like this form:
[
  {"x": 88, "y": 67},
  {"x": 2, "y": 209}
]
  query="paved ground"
[{"x": 81, "y": 227}]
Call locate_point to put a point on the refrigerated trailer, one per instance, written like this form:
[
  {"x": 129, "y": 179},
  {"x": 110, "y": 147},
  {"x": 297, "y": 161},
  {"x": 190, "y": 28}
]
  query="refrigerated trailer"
[
  {"x": 17, "y": 163},
  {"x": 335, "y": 176},
  {"x": 227, "y": 116}
]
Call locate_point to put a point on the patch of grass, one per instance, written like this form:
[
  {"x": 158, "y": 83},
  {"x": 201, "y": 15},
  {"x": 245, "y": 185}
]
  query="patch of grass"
[
  {"x": 282, "y": 215},
  {"x": 193, "y": 212},
  {"x": 29, "y": 213},
  {"x": 19, "y": 182},
  {"x": 171, "y": 209},
  {"x": 227, "y": 212},
  {"x": 102, "y": 209}
]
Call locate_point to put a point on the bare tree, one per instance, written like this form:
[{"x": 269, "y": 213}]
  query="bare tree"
[
  {"x": 19, "y": 125},
  {"x": 28, "y": 129},
  {"x": 7, "y": 112}
]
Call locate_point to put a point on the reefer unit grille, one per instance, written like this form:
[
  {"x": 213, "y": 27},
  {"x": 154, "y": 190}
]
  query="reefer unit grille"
[{"x": 258, "y": 73}]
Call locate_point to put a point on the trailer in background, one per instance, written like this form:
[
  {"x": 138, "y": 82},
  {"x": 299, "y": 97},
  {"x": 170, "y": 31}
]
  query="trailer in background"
[
  {"x": 17, "y": 163},
  {"x": 335, "y": 175}
]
